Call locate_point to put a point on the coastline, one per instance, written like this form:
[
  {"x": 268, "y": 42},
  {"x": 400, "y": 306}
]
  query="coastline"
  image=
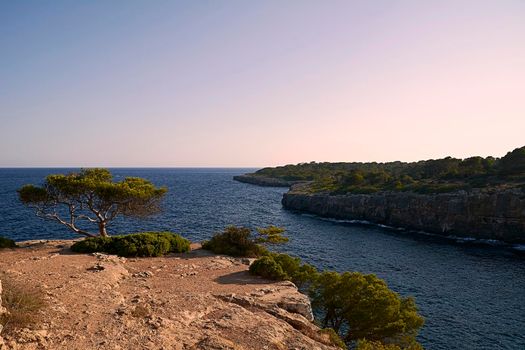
[{"x": 481, "y": 215}]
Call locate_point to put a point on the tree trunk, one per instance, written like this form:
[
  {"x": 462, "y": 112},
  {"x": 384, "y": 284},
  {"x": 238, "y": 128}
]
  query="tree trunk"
[{"x": 102, "y": 229}]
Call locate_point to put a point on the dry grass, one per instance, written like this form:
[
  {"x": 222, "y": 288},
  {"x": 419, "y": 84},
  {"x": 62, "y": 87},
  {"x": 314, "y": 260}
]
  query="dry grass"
[
  {"x": 23, "y": 304},
  {"x": 141, "y": 311}
]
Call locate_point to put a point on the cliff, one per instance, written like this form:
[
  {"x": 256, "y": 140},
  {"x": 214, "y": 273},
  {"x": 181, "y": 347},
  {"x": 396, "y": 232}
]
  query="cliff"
[
  {"x": 182, "y": 301},
  {"x": 263, "y": 180},
  {"x": 498, "y": 215}
]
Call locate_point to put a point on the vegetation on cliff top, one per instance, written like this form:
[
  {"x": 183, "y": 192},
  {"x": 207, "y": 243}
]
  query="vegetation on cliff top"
[
  {"x": 138, "y": 244},
  {"x": 358, "y": 307},
  {"x": 7, "y": 243},
  {"x": 241, "y": 242},
  {"x": 429, "y": 176},
  {"x": 91, "y": 198}
]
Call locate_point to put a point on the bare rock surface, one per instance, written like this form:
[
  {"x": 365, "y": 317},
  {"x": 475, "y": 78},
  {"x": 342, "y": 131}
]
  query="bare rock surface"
[{"x": 183, "y": 301}]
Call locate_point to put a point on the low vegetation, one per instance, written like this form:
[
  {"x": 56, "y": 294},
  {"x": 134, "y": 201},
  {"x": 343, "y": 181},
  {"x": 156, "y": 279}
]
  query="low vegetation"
[
  {"x": 7, "y": 243},
  {"x": 358, "y": 308},
  {"x": 283, "y": 267},
  {"x": 271, "y": 234},
  {"x": 23, "y": 303},
  {"x": 242, "y": 242},
  {"x": 139, "y": 244},
  {"x": 430, "y": 176}
]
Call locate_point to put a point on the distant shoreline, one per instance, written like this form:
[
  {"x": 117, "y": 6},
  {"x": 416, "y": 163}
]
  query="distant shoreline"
[{"x": 495, "y": 215}]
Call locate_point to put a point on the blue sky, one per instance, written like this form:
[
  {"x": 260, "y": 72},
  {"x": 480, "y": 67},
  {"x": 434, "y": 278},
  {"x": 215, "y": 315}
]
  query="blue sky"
[{"x": 237, "y": 83}]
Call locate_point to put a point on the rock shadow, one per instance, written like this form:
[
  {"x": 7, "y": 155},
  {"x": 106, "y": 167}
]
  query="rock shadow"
[{"x": 242, "y": 278}]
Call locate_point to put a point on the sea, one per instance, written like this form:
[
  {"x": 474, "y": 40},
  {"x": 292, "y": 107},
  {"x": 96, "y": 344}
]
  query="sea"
[{"x": 471, "y": 293}]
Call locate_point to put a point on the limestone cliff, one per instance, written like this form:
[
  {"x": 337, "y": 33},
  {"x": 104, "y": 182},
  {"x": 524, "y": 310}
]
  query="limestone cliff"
[
  {"x": 186, "y": 301},
  {"x": 497, "y": 214}
]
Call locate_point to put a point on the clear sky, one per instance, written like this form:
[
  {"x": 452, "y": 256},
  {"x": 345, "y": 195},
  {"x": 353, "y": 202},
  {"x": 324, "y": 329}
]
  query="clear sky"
[{"x": 258, "y": 83}]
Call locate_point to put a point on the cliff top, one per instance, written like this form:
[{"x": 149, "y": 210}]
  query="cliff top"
[
  {"x": 180, "y": 301},
  {"x": 428, "y": 176}
]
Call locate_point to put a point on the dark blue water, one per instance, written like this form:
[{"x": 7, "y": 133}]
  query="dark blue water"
[{"x": 472, "y": 296}]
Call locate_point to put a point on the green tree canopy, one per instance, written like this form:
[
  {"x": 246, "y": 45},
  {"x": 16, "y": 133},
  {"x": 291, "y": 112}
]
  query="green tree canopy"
[
  {"x": 271, "y": 234},
  {"x": 366, "y": 308},
  {"x": 513, "y": 163},
  {"x": 91, "y": 197},
  {"x": 428, "y": 176}
]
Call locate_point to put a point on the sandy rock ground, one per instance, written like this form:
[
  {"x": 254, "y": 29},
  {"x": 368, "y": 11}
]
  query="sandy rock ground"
[{"x": 181, "y": 301}]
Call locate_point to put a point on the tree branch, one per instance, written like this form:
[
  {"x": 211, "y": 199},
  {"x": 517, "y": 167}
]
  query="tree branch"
[{"x": 54, "y": 216}]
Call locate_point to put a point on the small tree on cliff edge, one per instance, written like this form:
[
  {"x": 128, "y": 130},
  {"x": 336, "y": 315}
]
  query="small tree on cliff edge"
[{"x": 91, "y": 197}]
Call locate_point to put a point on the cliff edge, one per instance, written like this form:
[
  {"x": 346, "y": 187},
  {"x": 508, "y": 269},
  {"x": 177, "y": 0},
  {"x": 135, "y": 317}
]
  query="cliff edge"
[
  {"x": 496, "y": 215},
  {"x": 181, "y": 301}
]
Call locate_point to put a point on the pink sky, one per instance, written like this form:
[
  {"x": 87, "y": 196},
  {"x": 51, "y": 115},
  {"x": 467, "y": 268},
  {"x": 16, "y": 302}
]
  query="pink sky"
[{"x": 259, "y": 84}]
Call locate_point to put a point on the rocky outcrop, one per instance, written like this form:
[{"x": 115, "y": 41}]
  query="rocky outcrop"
[
  {"x": 498, "y": 215},
  {"x": 188, "y": 301},
  {"x": 263, "y": 181}
]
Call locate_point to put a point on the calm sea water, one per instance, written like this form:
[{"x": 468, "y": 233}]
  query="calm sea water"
[{"x": 472, "y": 296}]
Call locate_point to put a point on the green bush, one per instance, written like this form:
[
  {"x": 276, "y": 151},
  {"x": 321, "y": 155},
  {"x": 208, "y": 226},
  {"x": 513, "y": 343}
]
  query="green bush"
[
  {"x": 283, "y": 267},
  {"x": 268, "y": 268},
  {"x": 235, "y": 241},
  {"x": 138, "y": 244},
  {"x": 93, "y": 244},
  {"x": 7, "y": 243}
]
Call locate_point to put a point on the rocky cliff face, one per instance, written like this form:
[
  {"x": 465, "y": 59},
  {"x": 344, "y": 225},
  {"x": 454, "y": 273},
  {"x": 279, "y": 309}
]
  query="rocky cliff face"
[{"x": 485, "y": 215}]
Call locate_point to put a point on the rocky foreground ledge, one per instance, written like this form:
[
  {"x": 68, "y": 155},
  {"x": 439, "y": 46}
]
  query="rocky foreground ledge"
[{"x": 183, "y": 301}]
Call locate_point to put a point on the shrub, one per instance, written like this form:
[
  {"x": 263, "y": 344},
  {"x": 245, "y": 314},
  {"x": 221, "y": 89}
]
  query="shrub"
[
  {"x": 23, "y": 304},
  {"x": 283, "y": 267},
  {"x": 138, "y": 244},
  {"x": 234, "y": 241},
  {"x": 7, "y": 243},
  {"x": 271, "y": 234},
  {"x": 93, "y": 244},
  {"x": 268, "y": 268}
]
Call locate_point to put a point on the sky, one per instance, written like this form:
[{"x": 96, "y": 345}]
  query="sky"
[{"x": 246, "y": 83}]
